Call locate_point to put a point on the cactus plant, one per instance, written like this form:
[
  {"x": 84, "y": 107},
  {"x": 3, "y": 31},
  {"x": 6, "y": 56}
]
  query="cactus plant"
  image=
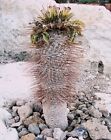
[{"x": 57, "y": 62}]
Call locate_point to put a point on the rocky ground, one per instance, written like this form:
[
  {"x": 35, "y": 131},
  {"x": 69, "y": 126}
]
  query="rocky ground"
[
  {"x": 90, "y": 114},
  {"x": 87, "y": 119}
]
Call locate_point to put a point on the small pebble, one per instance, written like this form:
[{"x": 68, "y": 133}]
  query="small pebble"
[
  {"x": 42, "y": 126},
  {"x": 33, "y": 128},
  {"x": 23, "y": 132}
]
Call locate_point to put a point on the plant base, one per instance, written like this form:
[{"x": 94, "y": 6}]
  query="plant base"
[{"x": 55, "y": 114}]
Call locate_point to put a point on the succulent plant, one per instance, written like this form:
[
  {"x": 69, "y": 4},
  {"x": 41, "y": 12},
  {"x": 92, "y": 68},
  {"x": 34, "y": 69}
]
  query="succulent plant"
[{"x": 53, "y": 19}]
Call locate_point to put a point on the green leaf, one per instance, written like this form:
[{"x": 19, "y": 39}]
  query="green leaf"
[
  {"x": 46, "y": 37},
  {"x": 34, "y": 38}
]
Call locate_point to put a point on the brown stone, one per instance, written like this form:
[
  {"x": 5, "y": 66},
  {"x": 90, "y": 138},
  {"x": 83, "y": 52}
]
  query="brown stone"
[
  {"x": 28, "y": 137},
  {"x": 33, "y": 119}
]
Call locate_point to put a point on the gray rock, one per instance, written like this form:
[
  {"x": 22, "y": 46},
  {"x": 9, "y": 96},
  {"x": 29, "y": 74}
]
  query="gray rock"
[
  {"x": 34, "y": 128},
  {"x": 109, "y": 128},
  {"x": 20, "y": 128},
  {"x": 107, "y": 121},
  {"x": 49, "y": 138},
  {"x": 16, "y": 124},
  {"x": 42, "y": 126},
  {"x": 23, "y": 55},
  {"x": 20, "y": 102},
  {"x": 57, "y": 134},
  {"x": 23, "y": 132},
  {"x": 14, "y": 114},
  {"x": 82, "y": 106},
  {"x": 71, "y": 138},
  {"x": 97, "y": 130},
  {"x": 79, "y": 112},
  {"x": 84, "y": 109},
  {"x": 25, "y": 111},
  {"x": 94, "y": 112},
  {"x": 40, "y": 137},
  {"x": 10, "y": 103},
  {"x": 10, "y": 122},
  {"x": 105, "y": 113},
  {"x": 70, "y": 116},
  {"x": 79, "y": 132},
  {"x": 78, "y": 120},
  {"x": 71, "y": 106},
  {"x": 73, "y": 123},
  {"x": 15, "y": 108},
  {"x": 96, "y": 87},
  {"x": 17, "y": 119},
  {"x": 4, "y": 115},
  {"x": 37, "y": 108},
  {"x": 47, "y": 132}
]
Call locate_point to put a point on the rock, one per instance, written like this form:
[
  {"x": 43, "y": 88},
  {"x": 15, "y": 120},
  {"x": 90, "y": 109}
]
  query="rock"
[
  {"x": 10, "y": 122},
  {"x": 73, "y": 123},
  {"x": 20, "y": 128},
  {"x": 25, "y": 111},
  {"x": 9, "y": 104},
  {"x": 40, "y": 137},
  {"x": 94, "y": 112},
  {"x": 28, "y": 137},
  {"x": 47, "y": 132},
  {"x": 79, "y": 132},
  {"x": 97, "y": 130},
  {"x": 49, "y": 138},
  {"x": 15, "y": 109},
  {"x": 70, "y": 116},
  {"x": 105, "y": 113},
  {"x": 33, "y": 128},
  {"x": 82, "y": 106},
  {"x": 36, "y": 114},
  {"x": 14, "y": 114},
  {"x": 17, "y": 119},
  {"x": 33, "y": 119},
  {"x": 3, "y": 130},
  {"x": 20, "y": 102},
  {"x": 71, "y": 106},
  {"x": 107, "y": 121},
  {"x": 96, "y": 87},
  {"x": 71, "y": 138},
  {"x": 23, "y": 132},
  {"x": 9, "y": 133},
  {"x": 37, "y": 108},
  {"x": 42, "y": 126},
  {"x": 16, "y": 124},
  {"x": 57, "y": 134},
  {"x": 4, "y": 115},
  {"x": 79, "y": 112}
]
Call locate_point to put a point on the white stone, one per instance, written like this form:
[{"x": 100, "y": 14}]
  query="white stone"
[
  {"x": 71, "y": 138},
  {"x": 25, "y": 111},
  {"x": 3, "y": 130},
  {"x": 57, "y": 133},
  {"x": 9, "y": 133},
  {"x": 12, "y": 134},
  {"x": 4, "y": 114}
]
